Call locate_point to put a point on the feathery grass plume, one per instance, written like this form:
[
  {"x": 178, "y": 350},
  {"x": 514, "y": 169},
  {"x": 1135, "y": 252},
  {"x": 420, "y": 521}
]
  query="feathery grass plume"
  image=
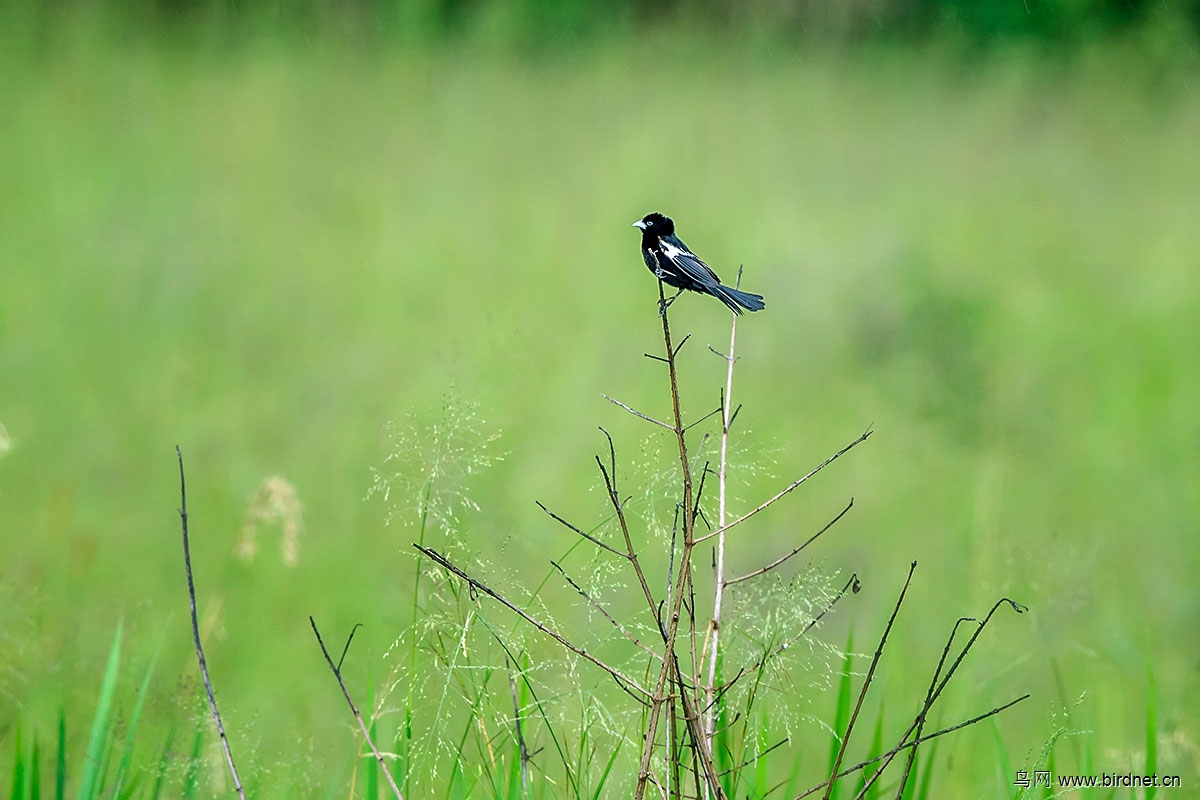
[
  {"x": 6, "y": 442},
  {"x": 654, "y": 476},
  {"x": 446, "y": 663},
  {"x": 275, "y": 502},
  {"x": 426, "y": 467}
]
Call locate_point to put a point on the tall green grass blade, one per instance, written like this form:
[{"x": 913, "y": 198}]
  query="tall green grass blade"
[
  {"x": 35, "y": 772},
  {"x": 927, "y": 775},
  {"x": 370, "y": 766},
  {"x": 1151, "y": 736},
  {"x": 161, "y": 771},
  {"x": 60, "y": 758},
  {"x": 90, "y": 780},
  {"x": 1004, "y": 768},
  {"x": 131, "y": 734},
  {"x": 514, "y": 771},
  {"x": 190, "y": 777},
  {"x": 761, "y": 763},
  {"x": 18, "y": 775},
  {"x": 841, "y": 716},
  {"x": 865, "y": 775},
  {"x": 1052, "y": 768},
  {"x": 909, "y": 790},
  {"x": 793, "y": 779},
  {"x": 607, "y": 771},
  {"x": 1088, "y": 765},
  {"x": 456, "y": 772}
]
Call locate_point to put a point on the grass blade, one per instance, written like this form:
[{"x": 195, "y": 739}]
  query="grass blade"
[
  {"x": 60, "y": 760},
  {"x": 161, "y": 772},
  {"x": 89, "y": 783},
  {"x": 190, "y": 778},
  {"x": 1151, "y": 738},
  {"x": 35, "y": 775},
  {"x": 127, "y": 754},
  {"x": 841, "y": 716},
  {"x": 18, "y": 776},
  {"x": 1004, "y": 767}
]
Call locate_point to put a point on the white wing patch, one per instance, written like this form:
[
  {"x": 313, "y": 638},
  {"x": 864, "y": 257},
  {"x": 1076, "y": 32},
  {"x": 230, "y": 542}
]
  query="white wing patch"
[{"x": 672, "y": 252}]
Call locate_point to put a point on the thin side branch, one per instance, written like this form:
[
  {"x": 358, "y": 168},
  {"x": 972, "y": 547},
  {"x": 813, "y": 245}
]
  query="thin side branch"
[
  {"x": 591, "y": 601},
  {"x": 621, "y": 678},
  {"x": 187, "y": 564},
  {"x": 581, "y": 532},
  {"x": 630, "y": 552},
  {"x": 337, "y": 673},
  {"x": 862, "y": 438},
  {"x": 637, "y": 413},
  {"x": 784, "y": 558}
]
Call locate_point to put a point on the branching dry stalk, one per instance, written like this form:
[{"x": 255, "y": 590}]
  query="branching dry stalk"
[
  {"x": 187, "y": 564},
  {"x": 691, "y": 698},
  {"x": 670, "y": 665},
  {"x": 336, "y": 669},
  {"x": 936, "y": 685},
  {"x": 909, "y": 745}
]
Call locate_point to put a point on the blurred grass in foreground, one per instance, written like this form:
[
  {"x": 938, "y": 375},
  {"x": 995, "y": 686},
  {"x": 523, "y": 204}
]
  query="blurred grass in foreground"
[{"x": 264, "y": 251}]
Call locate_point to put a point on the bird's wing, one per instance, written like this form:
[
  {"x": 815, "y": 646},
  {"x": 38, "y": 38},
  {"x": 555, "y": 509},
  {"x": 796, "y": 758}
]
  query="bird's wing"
[{"x": 688, "y": 262}]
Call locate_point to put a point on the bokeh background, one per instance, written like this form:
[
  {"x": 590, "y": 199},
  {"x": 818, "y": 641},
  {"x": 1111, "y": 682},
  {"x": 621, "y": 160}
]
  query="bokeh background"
[{"x": 263, "y": 231}]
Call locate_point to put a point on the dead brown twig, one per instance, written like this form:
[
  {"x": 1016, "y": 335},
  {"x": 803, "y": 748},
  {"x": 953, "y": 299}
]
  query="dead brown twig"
[{"x": 212, "y": 698}]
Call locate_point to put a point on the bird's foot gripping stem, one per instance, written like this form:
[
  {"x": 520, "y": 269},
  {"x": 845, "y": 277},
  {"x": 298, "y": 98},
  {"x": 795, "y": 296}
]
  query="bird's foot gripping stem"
[{"x": 662, "y": 306}]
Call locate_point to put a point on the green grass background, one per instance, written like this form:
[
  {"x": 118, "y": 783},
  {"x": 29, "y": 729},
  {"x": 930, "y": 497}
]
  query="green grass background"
[{"x": 265, "y": 250}]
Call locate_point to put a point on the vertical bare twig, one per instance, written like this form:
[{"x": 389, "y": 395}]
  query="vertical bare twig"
[
  {"x": 719, "y": 582},
  {"x": 337, "y": 673},
  {"x": 187, "y": 564}
]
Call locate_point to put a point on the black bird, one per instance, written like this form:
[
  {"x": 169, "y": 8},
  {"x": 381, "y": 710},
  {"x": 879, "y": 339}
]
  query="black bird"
[{"x": 674, "y": 264}]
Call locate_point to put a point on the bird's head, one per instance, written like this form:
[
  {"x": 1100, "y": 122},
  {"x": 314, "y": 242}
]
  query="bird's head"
[{"x": 656, "y": 224}]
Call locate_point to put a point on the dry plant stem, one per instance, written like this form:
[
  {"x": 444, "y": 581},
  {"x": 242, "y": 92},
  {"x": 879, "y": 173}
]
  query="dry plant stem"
[
  {"x": 591, "y": 601},
  {"x": 919, "y": 723},
  {"x": 582, "y": 532},
  {"x": 187, "y": 564},
  {"x": 719, "y": 581},
  {"x": 637, "y": 413},
  {"x": 623, "y": 680},
  {"x": 630, "y": 553},
  {"x": 837, "y": 764},
  {"x": 337, "y": 673},
  {"x": 669, "y": 667},
  {"x": 784, "y": 558},
  {"x": 907, "y": 745},
  {"x": 938, "y": 683},
  {"x": 791, "y": 487}
]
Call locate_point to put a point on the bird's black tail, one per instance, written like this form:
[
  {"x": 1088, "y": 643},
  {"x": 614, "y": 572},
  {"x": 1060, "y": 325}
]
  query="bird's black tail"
[{"x": 737, "y": 299}]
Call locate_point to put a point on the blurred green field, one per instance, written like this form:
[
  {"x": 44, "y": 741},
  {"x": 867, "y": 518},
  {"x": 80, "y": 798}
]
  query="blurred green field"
[{"x": 264, "y": 252}]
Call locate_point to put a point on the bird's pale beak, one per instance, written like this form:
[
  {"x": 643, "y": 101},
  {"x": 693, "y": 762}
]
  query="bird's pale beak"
[{"x": 640, "y": 224}]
